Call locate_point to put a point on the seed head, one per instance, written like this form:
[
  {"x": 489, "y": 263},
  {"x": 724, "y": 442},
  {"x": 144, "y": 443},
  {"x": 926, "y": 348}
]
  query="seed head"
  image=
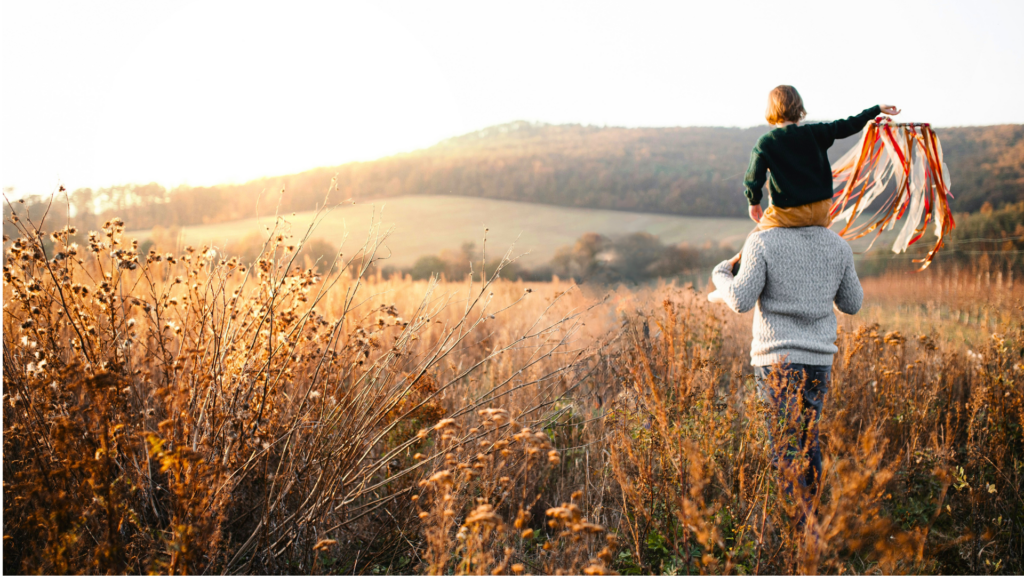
[{"x": 443, "y": 478}]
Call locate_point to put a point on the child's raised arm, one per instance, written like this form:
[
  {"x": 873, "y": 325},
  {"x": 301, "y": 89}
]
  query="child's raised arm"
[
  {"x": 828, "y": 132},
  {"x": 849, "y": 126}
]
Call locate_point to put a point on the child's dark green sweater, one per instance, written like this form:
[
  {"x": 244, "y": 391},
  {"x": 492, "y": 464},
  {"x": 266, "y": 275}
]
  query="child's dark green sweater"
[{"x": 798, "y": 160}]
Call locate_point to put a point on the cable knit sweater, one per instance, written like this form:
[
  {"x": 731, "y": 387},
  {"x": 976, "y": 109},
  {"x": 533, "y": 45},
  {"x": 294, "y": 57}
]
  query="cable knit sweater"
[{"x": 793, "y": 276}]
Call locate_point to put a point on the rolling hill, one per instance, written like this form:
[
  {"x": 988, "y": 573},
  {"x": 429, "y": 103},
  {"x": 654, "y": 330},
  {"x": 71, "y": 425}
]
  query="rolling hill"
[{"x": 680, "y": 171}]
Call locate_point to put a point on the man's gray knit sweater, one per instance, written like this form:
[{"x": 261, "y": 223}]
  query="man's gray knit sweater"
[{"x": 792, "y": 275}]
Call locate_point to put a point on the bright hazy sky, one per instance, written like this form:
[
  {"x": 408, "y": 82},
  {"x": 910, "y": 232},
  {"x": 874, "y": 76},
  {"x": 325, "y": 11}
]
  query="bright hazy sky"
[{"x": 101, "y": 93}]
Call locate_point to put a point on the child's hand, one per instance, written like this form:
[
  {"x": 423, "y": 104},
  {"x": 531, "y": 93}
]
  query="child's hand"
[
  {"x": 889, "y": 109},
  {"x": 756, "y": 213}
]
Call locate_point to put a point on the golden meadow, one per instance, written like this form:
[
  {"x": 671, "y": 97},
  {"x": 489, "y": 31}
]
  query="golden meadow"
[{"x": 187, "y": 412}]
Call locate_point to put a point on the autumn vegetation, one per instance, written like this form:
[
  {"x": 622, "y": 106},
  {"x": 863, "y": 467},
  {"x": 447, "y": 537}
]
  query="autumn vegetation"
[{"x": 302, "y": 412}]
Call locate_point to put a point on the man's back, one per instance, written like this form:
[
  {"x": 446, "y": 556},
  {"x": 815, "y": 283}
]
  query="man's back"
[{"x": 793, "y": 276}]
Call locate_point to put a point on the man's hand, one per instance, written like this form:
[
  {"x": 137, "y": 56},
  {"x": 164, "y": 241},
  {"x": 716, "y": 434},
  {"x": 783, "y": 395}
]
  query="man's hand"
[
  {"x": 756, "y": 213},
  {"x": 889, "y": 109}
]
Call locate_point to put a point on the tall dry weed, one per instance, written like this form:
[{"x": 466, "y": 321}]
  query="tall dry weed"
[{"x": 187, "y": 413}]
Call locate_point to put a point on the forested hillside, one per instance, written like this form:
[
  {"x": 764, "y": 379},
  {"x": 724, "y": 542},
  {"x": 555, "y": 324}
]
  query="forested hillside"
[
  {"x": 986, "y": 164},
  {"x": 686, "y": 171}
]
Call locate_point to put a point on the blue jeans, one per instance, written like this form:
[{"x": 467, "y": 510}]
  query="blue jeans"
[{"x": 794, "y": 395}]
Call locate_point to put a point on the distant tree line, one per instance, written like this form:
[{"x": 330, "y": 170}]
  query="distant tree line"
[
  {"x": 990, "y": 240},
  {"x": 595, "y": 258}
]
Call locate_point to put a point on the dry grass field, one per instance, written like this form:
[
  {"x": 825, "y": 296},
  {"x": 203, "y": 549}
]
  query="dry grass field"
[
  {"x": 963, "y": 307},
  {"x": 176, "y": 412},
  {"x": 537, "y": 229}
]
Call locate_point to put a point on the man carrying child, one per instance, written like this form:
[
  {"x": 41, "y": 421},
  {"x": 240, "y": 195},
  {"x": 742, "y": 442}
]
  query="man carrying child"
[{"x": 794, "y": 270}]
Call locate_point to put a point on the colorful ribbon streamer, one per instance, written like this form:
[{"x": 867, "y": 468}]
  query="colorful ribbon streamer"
[{"x": 910, "y": 154}]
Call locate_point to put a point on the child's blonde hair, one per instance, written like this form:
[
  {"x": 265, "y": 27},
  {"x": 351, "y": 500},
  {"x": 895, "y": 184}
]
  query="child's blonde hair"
[{"x": 784, "y": 105}]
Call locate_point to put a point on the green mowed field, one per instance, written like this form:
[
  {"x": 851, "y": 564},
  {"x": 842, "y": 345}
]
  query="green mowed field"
[{"x": 422, "y": 225}]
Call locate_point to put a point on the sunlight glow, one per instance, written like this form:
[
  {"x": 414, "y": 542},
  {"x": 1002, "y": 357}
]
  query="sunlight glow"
[{"x": 96, "y": 94}]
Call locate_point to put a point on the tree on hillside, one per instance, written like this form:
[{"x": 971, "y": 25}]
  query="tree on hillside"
[{"x": 633, "y": 258}]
